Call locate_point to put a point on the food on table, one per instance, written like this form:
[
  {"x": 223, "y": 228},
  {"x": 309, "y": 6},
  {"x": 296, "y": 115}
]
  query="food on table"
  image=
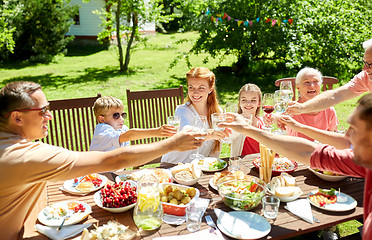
[
  {"x": 87, "y": 183},
  {"x": 280, "y": 164},
  {"x": 241, "y": 194},
  {"x": 267, "y": 160},
  {"x": 59, "y": 212},
  {"x": 118, "y": 195},
  {"x": 163, "y": 175},
  {"x": 236, "y": 175},
  {"x": 329, "y": 173},
  {"x": 111, "y": 230},
  {"x": 284, "y": 187},
  {"x": 323, "y": 197},
  {"x": 187, "y": 172},
  {"x": 174, "y": 195},
  {"x": 211, "y": 164}
]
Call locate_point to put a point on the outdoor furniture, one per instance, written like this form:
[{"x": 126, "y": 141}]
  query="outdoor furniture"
[
  {"x": 286, "y": 225},
  {"x": 151, "y": 108},
  {"x": 73, "y": 123},
  {"x": 327, "y": 84}
]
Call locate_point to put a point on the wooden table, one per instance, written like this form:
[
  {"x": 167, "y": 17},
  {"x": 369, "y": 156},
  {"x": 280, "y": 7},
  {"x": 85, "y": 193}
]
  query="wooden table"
[{"x": 284, "y": 226}]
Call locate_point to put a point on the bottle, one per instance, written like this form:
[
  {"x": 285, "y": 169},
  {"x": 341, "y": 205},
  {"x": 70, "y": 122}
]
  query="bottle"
[{"x": 148, "y": 212}]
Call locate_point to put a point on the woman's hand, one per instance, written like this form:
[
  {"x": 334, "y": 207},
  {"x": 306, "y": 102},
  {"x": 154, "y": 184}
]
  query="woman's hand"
[{"x": 217, "y": 135}]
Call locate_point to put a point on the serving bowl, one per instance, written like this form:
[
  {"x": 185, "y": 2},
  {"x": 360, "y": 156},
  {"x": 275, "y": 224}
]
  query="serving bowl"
[
  {"x": 290, "y": 198},
  {"x": 241, "y": 194},
  {"x": 178, "y": 210},
  {"x": 281, "y": 164},
  {"x": 329, "y": 178}
]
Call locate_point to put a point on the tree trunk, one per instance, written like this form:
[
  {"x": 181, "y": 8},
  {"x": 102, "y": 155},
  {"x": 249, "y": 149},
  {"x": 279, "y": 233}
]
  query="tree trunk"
[
  {"x": 131, "y": 39},
  {"x": 118, "y": 37}
]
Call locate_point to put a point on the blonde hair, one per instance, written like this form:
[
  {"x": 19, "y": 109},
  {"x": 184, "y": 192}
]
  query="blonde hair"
[
  {"x": 103, "y": 104},
  {"x": 212, "y": 101},
  {"x": 250, "y": 87},
  {"x": 307, "y": 71}
]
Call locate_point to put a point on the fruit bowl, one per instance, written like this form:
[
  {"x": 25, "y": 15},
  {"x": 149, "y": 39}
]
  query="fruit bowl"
[
  {"x": 241, "y": 194},
  {"x": 99, "y": 202}
]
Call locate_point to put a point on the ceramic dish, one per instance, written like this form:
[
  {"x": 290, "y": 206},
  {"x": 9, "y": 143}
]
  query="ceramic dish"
[
  {"x": 98, "y": 201},
  {"x": 207, "y": 162},
  {"x": 349, "y": 204},
  {"x": 54, "y": 214},
  {"x": 244, "y": 225},
  {"x": 70, "y": 186},
  {"x": 163, "y": 175},
  {"x": 281, "y": 164},
  {"x": 286, "y": 199},
  {"x": 329, "y": 178}
]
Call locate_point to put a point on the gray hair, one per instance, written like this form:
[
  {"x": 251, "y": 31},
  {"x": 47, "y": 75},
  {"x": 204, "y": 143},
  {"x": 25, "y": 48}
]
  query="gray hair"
[
  {"x": 367, "y": 44},
  {"x": 306, "y": 71},
  {"x": 16, "y": 95}
]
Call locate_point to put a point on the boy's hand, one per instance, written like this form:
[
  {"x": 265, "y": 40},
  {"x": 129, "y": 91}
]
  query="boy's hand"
[
  {"x": 186, "y": 140},
  {"x": 166, "y": 131}
]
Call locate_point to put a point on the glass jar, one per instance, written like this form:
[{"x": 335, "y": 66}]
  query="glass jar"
[{"x": 148, "y": 212}]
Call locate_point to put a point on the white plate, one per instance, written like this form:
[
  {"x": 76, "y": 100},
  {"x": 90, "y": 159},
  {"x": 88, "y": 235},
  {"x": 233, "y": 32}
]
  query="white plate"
[
  {"x": 254, "y": 226},
  {"x": 45, "y": 217},
  {"x": 350, "y": 204},
  {"x": 328, "y": 178},
  {"x": 138, "y": 174},
  {"x": 70, "y": 188},
  {"x": 205, "y": 163},
  {"x": 211, "y": 183},
  {"x": 97, "y": 200},
  {"x": 286, "y": 199}
]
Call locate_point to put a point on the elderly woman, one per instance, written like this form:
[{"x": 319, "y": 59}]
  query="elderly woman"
[{"x": 308, "y": 82}]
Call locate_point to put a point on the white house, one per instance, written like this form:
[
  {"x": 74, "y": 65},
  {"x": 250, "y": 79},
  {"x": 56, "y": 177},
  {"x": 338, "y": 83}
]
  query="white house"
[{"x": 88, "y": 24}]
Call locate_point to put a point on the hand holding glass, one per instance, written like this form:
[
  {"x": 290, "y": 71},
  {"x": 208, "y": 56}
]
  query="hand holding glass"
[
  {"x": 268, "y": 106},
  {"x": 199, "y": 126},
  {"x": 174, "y": 121},
  {"x": 286, "y": 87}
]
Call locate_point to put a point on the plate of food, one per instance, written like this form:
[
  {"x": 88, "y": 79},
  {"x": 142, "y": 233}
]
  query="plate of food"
[
  {"x": 73, "y": 211},
  {"x": 213, "y": 182},
  {"x": 163, "y": 175},
  {"x": 284, "y": 187},
  {"x": 186, "y": 174},
  {"x": 327, "y": 175},
  {"x": 210, "y": 164},
  {"x": 280, "y": 164},
  {"x": 85, "y": 184},
  {"x": 331, "y": 200}
]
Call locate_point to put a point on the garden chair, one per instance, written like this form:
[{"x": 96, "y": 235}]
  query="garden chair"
[
  {"x": 73, "y": 123},
  {"x": 327, "y": 84},
  {"x": 151, "y": 108}
]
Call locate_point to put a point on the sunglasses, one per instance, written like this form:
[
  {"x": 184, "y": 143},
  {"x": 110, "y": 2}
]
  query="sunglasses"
[
  {"x": 117, "y": 115},
  {"x": 43, "y": 110},
  {"x": 367, "y": 64}
]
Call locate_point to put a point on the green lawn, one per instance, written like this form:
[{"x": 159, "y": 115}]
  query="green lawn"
[{"x": 86, "y": 71}]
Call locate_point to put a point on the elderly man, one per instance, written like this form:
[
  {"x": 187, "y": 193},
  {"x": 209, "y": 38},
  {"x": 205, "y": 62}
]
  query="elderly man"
[
  {"x": 26, "y": 166},
  {"x": 361, "y": 83},
  {"x": 356, "y": 162}
]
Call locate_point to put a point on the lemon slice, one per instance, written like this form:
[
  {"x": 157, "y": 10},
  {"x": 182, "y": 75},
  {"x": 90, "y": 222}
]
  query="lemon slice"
[{"x": 148, "y": 199}]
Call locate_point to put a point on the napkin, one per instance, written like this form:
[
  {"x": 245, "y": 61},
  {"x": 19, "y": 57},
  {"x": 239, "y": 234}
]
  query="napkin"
[
  {"x": 64, "y": 233},
  {"x": 301, "y": 208},
  {"x": 178, "y": 220},
  {"x": 203, "y": 234}
]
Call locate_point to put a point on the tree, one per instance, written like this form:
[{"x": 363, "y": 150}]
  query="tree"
[
  {"x": 37, "y": 27},
  {"x": 133, "y": 13},
  {"x": 325, "y": 34}
]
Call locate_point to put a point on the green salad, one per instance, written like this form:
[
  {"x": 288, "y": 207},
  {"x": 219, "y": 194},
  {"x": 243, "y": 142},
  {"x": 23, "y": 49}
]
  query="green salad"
[{"x": 217, "y": 165}]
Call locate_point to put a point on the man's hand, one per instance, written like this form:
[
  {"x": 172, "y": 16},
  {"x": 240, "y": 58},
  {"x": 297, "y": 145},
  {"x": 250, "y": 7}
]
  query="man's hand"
[
  {"x": 288, "y": 121},
  {"x": 294, "y": 108},
  {"x": 186, "y": 140},
  {"x": 217, "y": 135},
  {"x": 235, "y": 121},
  {"x": 166, "y": 130}
]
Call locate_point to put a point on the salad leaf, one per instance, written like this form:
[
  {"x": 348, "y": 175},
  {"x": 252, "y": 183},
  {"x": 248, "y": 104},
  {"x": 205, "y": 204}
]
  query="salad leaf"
[
  {"x": 328, "y": 192},
  {"x": 217, "y": 165}
]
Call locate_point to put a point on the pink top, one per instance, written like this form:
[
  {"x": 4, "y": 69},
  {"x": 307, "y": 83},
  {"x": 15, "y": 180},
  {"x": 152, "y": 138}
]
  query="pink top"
[
  {"x": 326, "y": 157},
  {"x": 360, "y": 83},
  {"x": 325, "y": 120},
  {"x": 250, "y": 145}
]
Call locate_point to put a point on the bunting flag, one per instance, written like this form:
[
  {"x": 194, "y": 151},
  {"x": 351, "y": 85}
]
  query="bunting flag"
[{"x": 246, "y": 23}]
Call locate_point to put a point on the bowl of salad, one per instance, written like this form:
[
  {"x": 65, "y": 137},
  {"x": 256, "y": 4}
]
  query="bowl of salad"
[
  {"x": 280, "y": 165},
  {"x": 241, "y": 194}
]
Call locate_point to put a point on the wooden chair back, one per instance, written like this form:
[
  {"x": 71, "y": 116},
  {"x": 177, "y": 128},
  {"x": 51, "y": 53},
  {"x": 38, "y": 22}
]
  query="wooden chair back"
[
  {"x": 73, "y": 123},
  {"x": 151, "y": 108},
  {"x": 327, "y": 84}
]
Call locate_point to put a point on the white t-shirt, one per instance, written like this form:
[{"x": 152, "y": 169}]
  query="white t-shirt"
[{"x": 106, "y": 138}]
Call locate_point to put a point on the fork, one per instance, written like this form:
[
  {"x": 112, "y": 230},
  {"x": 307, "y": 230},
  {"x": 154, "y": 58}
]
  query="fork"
[
  {"x": 63, "y": 222},
  {"x": 210, "y": 222}
]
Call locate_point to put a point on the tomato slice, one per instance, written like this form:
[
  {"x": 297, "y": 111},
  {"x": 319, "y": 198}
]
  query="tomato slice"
[
  {"x": 254, "y": 187},
  {"x": 333, "y": 199}
]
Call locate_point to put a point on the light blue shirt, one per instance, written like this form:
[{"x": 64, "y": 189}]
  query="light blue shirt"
[{"x": 106, "y": 138}]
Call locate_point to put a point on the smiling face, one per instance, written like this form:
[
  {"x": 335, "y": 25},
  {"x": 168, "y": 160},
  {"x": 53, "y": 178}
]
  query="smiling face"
[
  {"x": 249, "y": 102},
  {"x": 360, "y": 137},
  {"x": 109, "y": 119},
  {"x": 198, "y": 90},
  {"x": 368, "y": 58},
  {"x": 309, "y": 86}
]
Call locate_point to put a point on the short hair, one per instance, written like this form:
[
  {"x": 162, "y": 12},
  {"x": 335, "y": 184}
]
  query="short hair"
[
  {"x": 367, "y": 44},
  {"x": 306, "y": 71},
  {"x": 365, "y": 103},
  {"x": 15, "y": 96},
  {"x": 104, "y": 104},
  {"x": 250, "y": 87}
]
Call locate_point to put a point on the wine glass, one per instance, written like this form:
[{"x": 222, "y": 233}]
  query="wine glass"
[
  {"x": 268, "y": 107},
  {"x": 286, "y": 87},
  {"x": 199, "y": 126},
  {"x": 280, "y": 105}
]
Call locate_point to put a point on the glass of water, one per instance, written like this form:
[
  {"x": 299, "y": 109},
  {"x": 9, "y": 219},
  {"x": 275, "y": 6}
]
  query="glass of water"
[
  {"x": 270, "y": 207},
  {"x": 194, "y": 215},
  {"x": 234, "y": 164},
  {"x": 174, "y": 121},
  {"x": 199, "y": 126}
]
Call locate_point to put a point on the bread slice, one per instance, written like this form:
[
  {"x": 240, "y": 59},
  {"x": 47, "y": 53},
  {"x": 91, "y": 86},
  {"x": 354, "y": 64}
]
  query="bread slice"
[
  {"x": 286, "y": 191},
  {"x": 180, "y": 168},
  {"x": 288, "y": 179},
  {"x": 196, "y": 171},
  {"x": 274, "y": 183}
]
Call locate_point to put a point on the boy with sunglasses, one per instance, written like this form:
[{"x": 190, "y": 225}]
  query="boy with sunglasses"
[{"x": 112, "y": 133}]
